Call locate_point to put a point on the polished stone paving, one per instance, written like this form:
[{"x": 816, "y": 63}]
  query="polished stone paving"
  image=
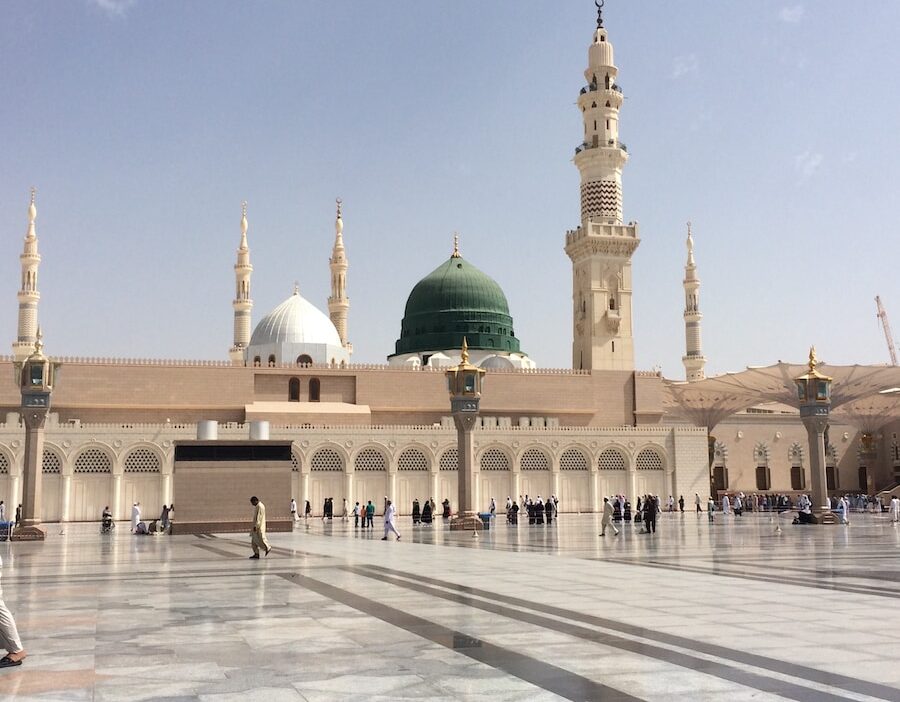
[{"x": 731, "y": 611}]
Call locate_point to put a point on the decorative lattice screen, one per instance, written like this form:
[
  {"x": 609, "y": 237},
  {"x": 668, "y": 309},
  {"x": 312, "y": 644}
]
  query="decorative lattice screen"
[
  {"x": 370, "y": 459},
  {"x": 93, "y": 460},
  {"x": 534, "y": 459},
  {"x": 412, "y": 459},
  {"x": 142, "y": 460},
  {"x": 648, "y": 459},
  {"x": 450, "y": 459},
  {"x": 494, "y": 459},
  {"x": 326, "y": 459},
  {"x": 51, "y": 463},
  {"x": 611, "y": 459},
  {"x": 4, "y": 464},
  {"x": 573, "y": 459},
  {"x": 295, "y": 464}
]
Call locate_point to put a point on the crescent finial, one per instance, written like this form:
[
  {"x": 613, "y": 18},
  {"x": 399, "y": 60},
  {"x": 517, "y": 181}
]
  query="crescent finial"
[{"x": 599, "y": 4}]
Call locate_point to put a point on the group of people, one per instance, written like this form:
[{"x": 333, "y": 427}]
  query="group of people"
[
  {"x": 539, "y": 511},
  {"x": 18, "y": 516},
  {"x": 160, "y": 526}
]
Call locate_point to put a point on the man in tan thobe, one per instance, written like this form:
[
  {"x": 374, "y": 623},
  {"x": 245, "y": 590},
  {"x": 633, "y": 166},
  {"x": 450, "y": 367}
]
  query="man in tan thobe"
[
  {"x": 606, "y": 519},
  {"x": 258, "y": 530}
]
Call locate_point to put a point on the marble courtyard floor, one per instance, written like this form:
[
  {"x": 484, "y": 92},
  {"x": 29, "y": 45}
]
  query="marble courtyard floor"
[{"x": 733, "y": 611}]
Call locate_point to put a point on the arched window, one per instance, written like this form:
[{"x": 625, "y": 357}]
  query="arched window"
[
  {"x": 304, "y": 360},
  {"x": 294, "y": 390},
  {"x": 272, "y": 360},
  {"x": 612, "y": 303},
  {"x": 314, "y": 389},
  {"x": 257, "y": 362}
]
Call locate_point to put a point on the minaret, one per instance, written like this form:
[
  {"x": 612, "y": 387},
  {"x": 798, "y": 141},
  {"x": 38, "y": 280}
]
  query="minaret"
[
  {"x": 242, "y": 303},
  {"x": 601, "y": 248},
  {"x": 28, "y": 295},
  {"x": 339, "y": 303},
  {"x": 693, "y": 359}
]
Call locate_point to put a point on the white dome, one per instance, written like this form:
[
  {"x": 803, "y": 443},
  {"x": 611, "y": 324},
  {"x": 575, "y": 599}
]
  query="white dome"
[
  {"x": 496, "y": 362},
  {"x": 295, "y": 321}
]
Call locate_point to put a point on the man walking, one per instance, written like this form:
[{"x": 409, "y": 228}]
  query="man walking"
[
  {"x": 697, "y": 503},
  {"x": 606, "y": 519},
  {"x": 710, "y": 509},
  {"x": 370, "y": 515},
  {"x": 258, "y": 530},
  {"x": 726, "y": 506},
  {"x": 389, "y": 512},
  {"x": 9, "y": 637},
  {"x": 135, "y": 516},
  {"x": 895, "y": 509},
  {"x": 293, "y": 510}
]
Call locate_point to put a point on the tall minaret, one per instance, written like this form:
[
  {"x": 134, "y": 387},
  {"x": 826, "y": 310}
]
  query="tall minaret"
[
  {"x": 28, "y": 295},
  {"x": 242, "y": 303},
  {"x": 601, "y": 248},
  {"x": 693, "y": 359},
  {"x": 339, "y": 303}
]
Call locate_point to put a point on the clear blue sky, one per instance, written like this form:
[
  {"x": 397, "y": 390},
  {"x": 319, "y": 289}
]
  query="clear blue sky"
[{"x": 773, "y": 126}]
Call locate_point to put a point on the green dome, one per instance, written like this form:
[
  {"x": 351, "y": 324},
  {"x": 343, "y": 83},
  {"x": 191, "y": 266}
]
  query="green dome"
[{"x": 456, "y": 300}]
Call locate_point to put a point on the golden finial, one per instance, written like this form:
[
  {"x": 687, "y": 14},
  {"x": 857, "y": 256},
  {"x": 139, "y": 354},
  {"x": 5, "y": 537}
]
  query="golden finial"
[
  {"x": 465, "y": 351},
  {"x": 813, "y": 362},
  {"x": 296, "y": 288},
  {"x": 456, "y": 253},
  {"x": 38, "y": 341}
]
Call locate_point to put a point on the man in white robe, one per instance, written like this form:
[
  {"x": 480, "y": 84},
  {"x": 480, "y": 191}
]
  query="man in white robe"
[
  {"x": 9, "y": 637},
  {"x": 258, "y": 529},
  {"x": 389, "y": 512},
  {"x": 726, "y": 505},
  {"x": 895, "y": 509},
  {"x": 844, "y": 507},
  {"x": 135, "y": 516},
  {"x": 606, "y": 519}
]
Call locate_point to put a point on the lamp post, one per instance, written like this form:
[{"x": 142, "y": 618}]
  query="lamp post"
[
  {"x": 35, "y": 376},
  {"x": 814, "y": 394},
  {"x": 464, "y": 383}
]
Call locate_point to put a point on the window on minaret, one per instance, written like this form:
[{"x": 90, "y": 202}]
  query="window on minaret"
[
  {"x": 272, "y": 361},
  {"x": 607, "y": 81},
  {"x": 294, "y": 390},
  {"x": 314, "y": 389}
]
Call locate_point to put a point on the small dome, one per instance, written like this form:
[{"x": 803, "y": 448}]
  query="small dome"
[
  {"x": 456, "y": 300},
  {"x": 295, "y": 321},
  {"x": 497, "y": 363}
]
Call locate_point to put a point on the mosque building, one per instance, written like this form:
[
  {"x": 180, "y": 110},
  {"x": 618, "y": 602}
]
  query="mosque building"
[{"x": 361, "y": 432}]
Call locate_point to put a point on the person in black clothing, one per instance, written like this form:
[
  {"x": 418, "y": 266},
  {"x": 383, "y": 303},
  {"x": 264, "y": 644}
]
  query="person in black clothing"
[
  {"x": 650, "y": 509},
  {"x": 416, "y": 513},
  {"x": 681, "y": 502},
  {"x": 446, "y": 505},
  {"x": 426, "y": 513},
  {"x": 548, "y": 510}
]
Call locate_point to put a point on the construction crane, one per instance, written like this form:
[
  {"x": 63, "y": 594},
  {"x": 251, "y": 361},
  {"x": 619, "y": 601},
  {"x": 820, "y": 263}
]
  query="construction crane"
[{"x": 882, "y": 315}]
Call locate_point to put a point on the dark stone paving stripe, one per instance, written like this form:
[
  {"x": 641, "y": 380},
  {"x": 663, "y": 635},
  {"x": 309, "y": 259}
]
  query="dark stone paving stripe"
[
  {"x": 780, "y": 579},
  {"x": 549, "y": 677},
  {"x": 753, "y": 680}
]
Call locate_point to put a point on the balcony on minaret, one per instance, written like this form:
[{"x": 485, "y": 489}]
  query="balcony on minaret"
[
  {"x": 613, "y": 320},
  {"x": 613, "y": 240}
]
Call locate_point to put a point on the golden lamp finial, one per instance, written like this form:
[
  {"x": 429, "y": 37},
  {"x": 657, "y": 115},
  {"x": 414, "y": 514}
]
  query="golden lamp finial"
[
  {"x": 456, "y": 253},
  {"x": 465, "y": 351},
  {"x": 38, "y": 341},
  {"x": 813, "y": 361}
]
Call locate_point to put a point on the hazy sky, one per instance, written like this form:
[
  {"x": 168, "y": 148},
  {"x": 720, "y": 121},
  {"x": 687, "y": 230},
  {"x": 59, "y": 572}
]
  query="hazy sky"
[{"x": 773, "y": 126}]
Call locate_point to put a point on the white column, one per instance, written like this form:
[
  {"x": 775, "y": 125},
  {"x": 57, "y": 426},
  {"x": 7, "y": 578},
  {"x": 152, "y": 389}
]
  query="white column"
[
  {"x": 632, "y": 485},
  {"x": 348, "y": 490},
  {"x": 595, "y": 497},
  {"x": 117, "y": 498},
  {"x": 435, "y": 484},
  {"x": 304, "y": 491},
  {"x": 14, "y": 484},
  {"x": 65, "y": 498},
  {"x": 516, "y": 485},
  {"x": 554, "y": 482},
  {"x": 392, "y": 486},
  {"x": 167, "y": 488}
]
